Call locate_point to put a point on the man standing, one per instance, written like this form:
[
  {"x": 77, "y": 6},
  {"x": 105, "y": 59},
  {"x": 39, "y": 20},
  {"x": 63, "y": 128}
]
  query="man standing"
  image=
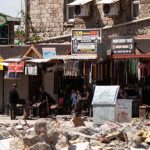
[{"x": 13, "y": 100}]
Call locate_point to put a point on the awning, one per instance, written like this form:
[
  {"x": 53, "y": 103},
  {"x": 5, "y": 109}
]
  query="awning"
[
  {"x": 76, "y": 57},
  {"x": 65, "y": 57},
  {"x": 38, "y": 60},
  {"x": 4, "y": 63},
  {"x": 17, "y": 59},
  {"x": 9, "y": 60},
  {"x": 79, "y": 2},
  {"x": 107, "y": 1},
  {"x": 129, "y": 56}
]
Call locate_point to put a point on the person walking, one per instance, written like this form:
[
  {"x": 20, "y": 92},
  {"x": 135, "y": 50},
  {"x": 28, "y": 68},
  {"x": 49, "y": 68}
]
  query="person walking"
[{"x": 13, "y": 100}]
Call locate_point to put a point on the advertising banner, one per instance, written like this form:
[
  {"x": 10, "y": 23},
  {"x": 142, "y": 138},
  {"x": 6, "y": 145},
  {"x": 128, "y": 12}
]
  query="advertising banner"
[
  {"x": 48, "y": 52},
  {"x": 85, "y": 41},
  {"x": 15, "y": 67},
  {"x": 122, "y": 45}
]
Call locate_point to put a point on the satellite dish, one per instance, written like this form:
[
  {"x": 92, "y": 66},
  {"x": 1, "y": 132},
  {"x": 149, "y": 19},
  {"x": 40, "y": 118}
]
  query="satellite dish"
[{"x": 106, "y": 8}]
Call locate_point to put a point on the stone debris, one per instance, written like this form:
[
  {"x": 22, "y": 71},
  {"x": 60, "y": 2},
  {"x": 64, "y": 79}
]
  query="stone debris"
[{"x": 59, "y": 134}]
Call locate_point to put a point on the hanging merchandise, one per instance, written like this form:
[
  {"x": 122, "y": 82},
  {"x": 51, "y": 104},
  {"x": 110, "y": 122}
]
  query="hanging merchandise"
[
  {"x": 11, "y": 75},
  {"x": 31, "y": 70},
  {"x": 76, "y": 68},
  {"x": 126, "y": 72},
  {"x": 1, "y": 66},
  {"x": 148, "y": 68},
  {"x": 90, "y": 74},
  {"x": 71, "y": 68},
  {"x": 139, "y": 72}
]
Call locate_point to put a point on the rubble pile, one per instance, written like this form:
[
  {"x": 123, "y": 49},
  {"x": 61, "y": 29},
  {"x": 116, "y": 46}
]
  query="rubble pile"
[{"x": 65, "y": 135}]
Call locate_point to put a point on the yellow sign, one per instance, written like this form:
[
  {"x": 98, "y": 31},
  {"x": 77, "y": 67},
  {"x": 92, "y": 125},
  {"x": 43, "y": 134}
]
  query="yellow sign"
[{"x": 1, "y": 66}]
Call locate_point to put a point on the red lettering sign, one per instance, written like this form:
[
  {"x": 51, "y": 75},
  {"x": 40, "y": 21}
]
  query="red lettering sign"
[{"x": 15, "y": 67}]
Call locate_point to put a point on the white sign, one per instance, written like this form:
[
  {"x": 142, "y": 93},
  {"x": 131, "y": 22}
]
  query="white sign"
[
  {"x": 105, "y": 94},
  {"x": 48, "y": 52},
  {"x": 124, "y": 110},
  {"x": 3, "y": 20}
]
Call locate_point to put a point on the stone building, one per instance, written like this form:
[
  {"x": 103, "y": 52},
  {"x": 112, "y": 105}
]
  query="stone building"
[{"x": 54, "y": 18}]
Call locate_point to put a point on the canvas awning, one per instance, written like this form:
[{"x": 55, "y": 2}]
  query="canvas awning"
[
  {"x": 79, "y": 2},
  {"x": 107, "y": 1}
]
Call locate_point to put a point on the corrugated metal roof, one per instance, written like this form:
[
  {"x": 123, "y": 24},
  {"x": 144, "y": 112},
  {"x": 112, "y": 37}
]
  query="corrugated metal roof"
[
  {"x": 38, "y": 60},
  {"x": 65, "y": 57},
  {"x": 9, "y": 60},
  {"x": 78, "y": 56}
]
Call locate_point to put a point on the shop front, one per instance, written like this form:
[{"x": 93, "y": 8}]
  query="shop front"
[{"x": 129, "y": 68}]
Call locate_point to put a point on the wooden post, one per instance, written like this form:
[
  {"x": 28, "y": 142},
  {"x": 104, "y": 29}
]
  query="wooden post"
[{"x": 47, "y": 106}]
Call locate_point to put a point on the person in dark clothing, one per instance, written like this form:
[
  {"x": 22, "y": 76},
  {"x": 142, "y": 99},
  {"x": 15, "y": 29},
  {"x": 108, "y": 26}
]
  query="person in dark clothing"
[
  {"x": 13, "y": 100},
  {"x": 85, "y": 101},
  {"x": 45, "y": 99}
]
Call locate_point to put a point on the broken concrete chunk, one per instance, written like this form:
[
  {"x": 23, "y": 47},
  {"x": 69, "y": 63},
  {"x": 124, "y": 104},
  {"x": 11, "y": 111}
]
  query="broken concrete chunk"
[
  {"x": 40, "y": 127},
  {"x": 40, "y": 146}
]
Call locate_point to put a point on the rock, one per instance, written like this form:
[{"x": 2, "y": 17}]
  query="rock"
[
  {"x": 145, "y": 145},
  {"x": 30, "y": 140},
  {"x": 62, "y": 143},
  {"x": 40, "y": 146},
  {"x": 137, "y": 142},
  {"x": 19, "y": 127},
  {"x": 80, "y": 146},
  {"x": 16, "y": 144},
  {"x": 96, "y": 143},
  {"x": 109, "y": 148},
  {"x": 40, "y": 127}
]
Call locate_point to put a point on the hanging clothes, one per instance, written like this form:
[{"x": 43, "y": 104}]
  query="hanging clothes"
[{"x": 139, "y": 71}]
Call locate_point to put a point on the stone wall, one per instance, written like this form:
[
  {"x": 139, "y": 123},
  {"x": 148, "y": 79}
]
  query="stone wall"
[
  {"x": 46, "y": 18},
  {"x": 133, "y": 29},
  {"x": 144, "y": 8}
]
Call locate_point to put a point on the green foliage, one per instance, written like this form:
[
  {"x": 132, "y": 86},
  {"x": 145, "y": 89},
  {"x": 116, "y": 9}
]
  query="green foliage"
[
  {"x": 35, "y": 38},
  {"x": 20, "y": 32}
]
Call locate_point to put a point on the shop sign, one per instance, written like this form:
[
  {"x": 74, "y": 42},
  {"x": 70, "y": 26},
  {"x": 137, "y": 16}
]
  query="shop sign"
[
  {"x": 29, "y": 70},
  {"x": 48, "y": 52},
  {"x": 3, "y": 20},
  {"x": 1, "y": 66},
  {"x": 122, "y": 45},
  {"x": 15, "y": 67},
  {"x": 85, "y": 41}
]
